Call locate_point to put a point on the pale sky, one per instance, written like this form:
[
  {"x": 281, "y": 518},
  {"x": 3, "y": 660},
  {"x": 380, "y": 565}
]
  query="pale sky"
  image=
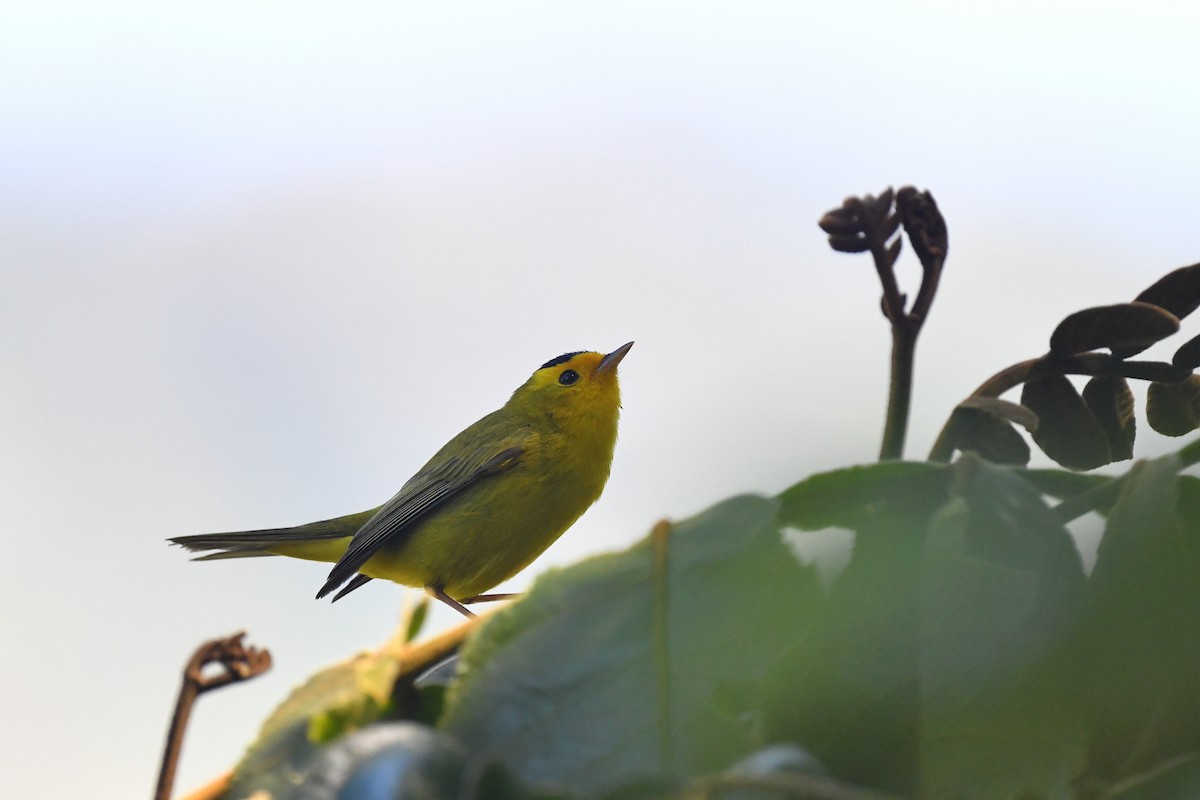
[{"x": 259, "y": 260}]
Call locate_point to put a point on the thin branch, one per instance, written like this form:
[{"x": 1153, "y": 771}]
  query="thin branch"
[
  {"x": 876, "y": 225},
  {"x": 1103, "y": 495},
  {"x": 904, "y": 348},
  {"x": 238, "y": 663},
  {"x": 875, "y": 236}
]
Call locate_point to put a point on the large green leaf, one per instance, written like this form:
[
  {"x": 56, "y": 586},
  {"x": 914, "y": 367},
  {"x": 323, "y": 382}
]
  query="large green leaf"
[
  {"x": 851, "y": 497},
  {"x": 1178, "y": 779},
  {"x": 930, "y": 669},
  {"x": 1060, "y": 483},
  {"x": 1143, "y": 655},
  {"x": 990, "y": 725},
  {"x": 638, "y": 663},
  {"x": 341, "y": 698}
]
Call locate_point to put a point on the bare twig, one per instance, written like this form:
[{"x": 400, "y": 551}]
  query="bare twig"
[
  {"x": 238, "y": 663},
  {"x": 415, "y": 659}
]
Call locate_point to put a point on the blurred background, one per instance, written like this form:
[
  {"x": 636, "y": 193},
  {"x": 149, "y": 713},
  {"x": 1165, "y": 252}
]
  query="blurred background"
[{"x": 259, "y": 260}]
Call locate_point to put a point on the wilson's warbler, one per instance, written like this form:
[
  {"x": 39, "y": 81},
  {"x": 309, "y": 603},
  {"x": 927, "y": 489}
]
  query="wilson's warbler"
[{"x": 484, "y": 507}]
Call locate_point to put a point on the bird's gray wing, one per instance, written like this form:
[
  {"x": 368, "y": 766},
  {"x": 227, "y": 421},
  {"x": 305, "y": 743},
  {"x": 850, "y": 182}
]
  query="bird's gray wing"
[{"x": 427, "y": 491}]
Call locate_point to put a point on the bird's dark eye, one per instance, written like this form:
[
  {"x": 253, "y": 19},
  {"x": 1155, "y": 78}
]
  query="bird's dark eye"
[{"x": 568, "y": 377}]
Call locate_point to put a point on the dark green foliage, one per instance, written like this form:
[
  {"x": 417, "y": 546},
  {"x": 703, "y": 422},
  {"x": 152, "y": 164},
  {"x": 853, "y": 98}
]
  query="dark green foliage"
[
  {"x": 990, "y": 436},
  {"x": 1067, "y": 429},
  {"x": 849, "y": 498},
  {"x": 641, "y": 663},
  {"x": 1143, "y": 629},
  {"x": 934, "y": 655},
  {"x": 1061, "y": 484},
  {"x": 1126, "y": 328},
  {"x": 1177, "y": 292},
  {"x": 1175, "y": 780},
  {"x": 335, "y": 701},
  {"x": 1111, "y": 401},
  {"x": 1173, "y": 409},
  {"x": 1188, "y": 354},
  {"x": 962, "y": 654},
  {"x": 394, "y": 761}
]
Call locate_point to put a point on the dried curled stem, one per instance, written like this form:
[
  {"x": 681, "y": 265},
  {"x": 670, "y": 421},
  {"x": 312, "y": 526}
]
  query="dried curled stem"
[
  {"x": 237, "y": 663},
  {"x": 865, "y": 225}
]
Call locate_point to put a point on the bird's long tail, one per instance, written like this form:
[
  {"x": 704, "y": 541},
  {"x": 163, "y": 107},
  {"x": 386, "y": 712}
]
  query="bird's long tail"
[{"x": 316, "y": 541}]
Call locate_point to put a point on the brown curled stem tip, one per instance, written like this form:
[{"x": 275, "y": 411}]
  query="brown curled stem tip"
[
  {"x": 237, "y": 663},
  {"x": 866, "y": 224},
  {"x": 869, "y": 224},
  {"x": 926, "y": 229}
]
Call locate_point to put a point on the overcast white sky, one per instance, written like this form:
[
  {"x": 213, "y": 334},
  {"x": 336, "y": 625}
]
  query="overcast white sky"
[{"x": 259, "y": 260}]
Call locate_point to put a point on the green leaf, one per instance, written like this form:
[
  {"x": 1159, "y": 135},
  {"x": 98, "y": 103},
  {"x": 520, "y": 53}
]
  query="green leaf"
[
  {"x": 1060, "y": 483},
  {"x": 1178, "y": 779},
  {"x": 1189, "y": 508},
  {"x": 929, "y": 671},
  {"x": 392, "y": 761},
  {"x": 341, "y": 698},
  {"x": 632, "y": 664},
  {"x": 990, "y": 726},
  {"x": 1143, "y": 631},
  {"x": 846, "y": 498},
  {"x": 416, "y": 619}
]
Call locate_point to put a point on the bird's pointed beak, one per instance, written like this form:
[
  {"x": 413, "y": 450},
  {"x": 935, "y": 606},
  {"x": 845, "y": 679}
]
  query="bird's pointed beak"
[{"x": 610, "y": 361}]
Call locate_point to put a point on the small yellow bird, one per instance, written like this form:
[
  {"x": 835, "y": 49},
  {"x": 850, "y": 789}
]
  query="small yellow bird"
[{"x": 484, "y": 507}]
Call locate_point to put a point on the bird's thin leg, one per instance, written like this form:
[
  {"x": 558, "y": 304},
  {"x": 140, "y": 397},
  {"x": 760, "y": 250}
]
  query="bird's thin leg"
[
  {"x": 489, "y": 598},
  {"x": 436, "y": 592}
]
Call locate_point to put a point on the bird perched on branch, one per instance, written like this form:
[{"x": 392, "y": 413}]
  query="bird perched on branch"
[{"x": 483, "y": 508}]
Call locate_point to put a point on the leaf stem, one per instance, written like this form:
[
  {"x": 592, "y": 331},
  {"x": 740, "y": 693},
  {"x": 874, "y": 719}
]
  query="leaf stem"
[{"x": 1107, "y": 493}]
